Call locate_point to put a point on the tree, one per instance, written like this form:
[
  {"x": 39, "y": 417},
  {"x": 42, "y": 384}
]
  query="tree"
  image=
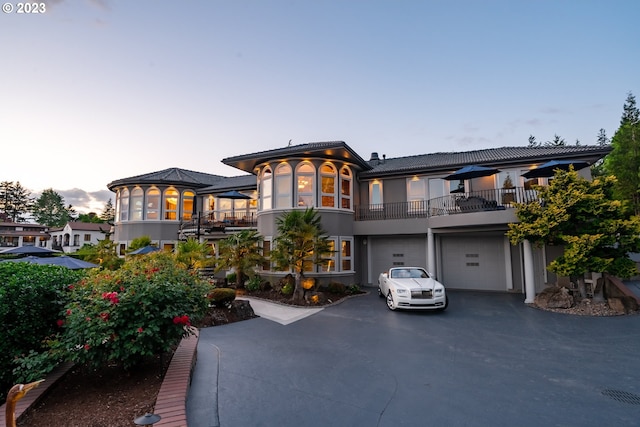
[
  {"x": 598, "y": 169},
  {"x": 624, "y": 160},
  {"x": 14, "y": 201},
  {"x": 193, "y": 255},
  {"x": 108, "y": 212},
  {"x": 584, "y": 217},
  {"x": 91, "y": 217},
  {"x": 242, "y": 252},
  {"x": 557, "y": 141},
  {"x": 533, "y": 142},
  {"x": 301, "y": 242},
  {"x": 602, "y": 138},
  {"x": 49, "y": 209}
]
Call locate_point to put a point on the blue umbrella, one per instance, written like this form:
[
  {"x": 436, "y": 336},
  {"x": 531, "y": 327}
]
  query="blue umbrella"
[
  {"x": 28, "y": 250},
  {"x": 470, "y": 172},
  {"x": 144, "y": 250},
  {"x": 548, "y": 169},
  {"x": 63, "y": 261}
]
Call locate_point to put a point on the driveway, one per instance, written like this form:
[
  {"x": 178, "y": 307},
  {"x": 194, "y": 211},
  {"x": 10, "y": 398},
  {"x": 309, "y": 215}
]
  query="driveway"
[{"x": 489, "y": 360}]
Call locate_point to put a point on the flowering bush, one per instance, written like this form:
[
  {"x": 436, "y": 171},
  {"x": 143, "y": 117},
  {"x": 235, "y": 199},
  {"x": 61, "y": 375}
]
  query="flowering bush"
[
  {"x": 31, "y": 298},
  {"x": 140, "y": 310}
]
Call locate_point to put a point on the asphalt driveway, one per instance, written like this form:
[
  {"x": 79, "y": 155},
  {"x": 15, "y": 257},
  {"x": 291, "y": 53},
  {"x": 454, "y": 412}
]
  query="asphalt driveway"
[{"x": 489, "y": 360}]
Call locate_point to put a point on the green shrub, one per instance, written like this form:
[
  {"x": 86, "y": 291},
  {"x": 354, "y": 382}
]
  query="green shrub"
[
  {"x": 221, "y": 296},
  {"x": 31, "y": 299},
  {"x": 336, "y": 288},
  {"x": 231, "y": 278},
  {"x": 353, "y": 289},
  {"x": 140, "y": 310},
  {"x": 253, "y": 284},
  {"x": 287, "y": 289}
]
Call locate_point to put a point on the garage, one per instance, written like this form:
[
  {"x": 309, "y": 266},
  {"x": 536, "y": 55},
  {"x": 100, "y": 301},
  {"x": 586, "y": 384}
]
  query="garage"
[
  {"x": 473, "y": 262},
  {"x": 386, "y": 252}
]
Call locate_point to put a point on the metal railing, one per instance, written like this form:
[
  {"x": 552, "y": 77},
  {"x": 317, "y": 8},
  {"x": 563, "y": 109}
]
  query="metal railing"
[{"x": 458, "y": 203}]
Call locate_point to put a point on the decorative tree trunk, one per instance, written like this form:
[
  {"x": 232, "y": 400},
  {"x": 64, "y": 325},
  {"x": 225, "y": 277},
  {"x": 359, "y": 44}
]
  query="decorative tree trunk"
[{"x": 298, "y": 290}]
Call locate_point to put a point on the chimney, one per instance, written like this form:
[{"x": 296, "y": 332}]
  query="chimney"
[{"x": 374, "y": 157}]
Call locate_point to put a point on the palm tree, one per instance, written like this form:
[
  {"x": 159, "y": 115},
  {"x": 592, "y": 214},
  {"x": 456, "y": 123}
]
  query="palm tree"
[
  {"x": 242, "y": 252},
  {"x": 301, "y": 242},
  {"x": 194, "y": 255}
]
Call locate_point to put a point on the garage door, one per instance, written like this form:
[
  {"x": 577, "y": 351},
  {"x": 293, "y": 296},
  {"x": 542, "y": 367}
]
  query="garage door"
[
  {"x": 473, "y": 262},
  {"x": 388, "y": 252}
]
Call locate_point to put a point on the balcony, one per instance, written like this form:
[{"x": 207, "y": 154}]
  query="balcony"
[
  {"x": 453, "y": 204},
  {"x": 209, "y": 223}
]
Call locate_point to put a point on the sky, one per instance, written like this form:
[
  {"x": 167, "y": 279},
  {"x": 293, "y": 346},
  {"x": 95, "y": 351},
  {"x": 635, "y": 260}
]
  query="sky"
[{"x": 99, "y": 90}]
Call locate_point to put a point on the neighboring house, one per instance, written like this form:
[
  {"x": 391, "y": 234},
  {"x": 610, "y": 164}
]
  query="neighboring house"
[
  {"x": 378, "y": 213},
  {"x": 75, "y": 234},
  {"x": 16, "y": 234}
]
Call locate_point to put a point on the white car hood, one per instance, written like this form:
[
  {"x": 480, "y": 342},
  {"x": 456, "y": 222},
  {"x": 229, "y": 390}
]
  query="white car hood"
[{"x": 419, "y": 283}]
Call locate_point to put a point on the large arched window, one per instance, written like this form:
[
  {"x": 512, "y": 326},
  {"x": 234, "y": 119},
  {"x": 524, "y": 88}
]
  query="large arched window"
[
  {"x": 187, "y": 205},
  {"x": 346, "y": 187},
  {"x": 283, "y": 186},
  {"x": 171, "y": 204},
  {"x": 305, "y": 177},
  {"x": 265, "y": 189},
  {"x": 124, "y": 205},
  {"x": 137, "y": 200},
  {"x": 153, "y": 204},
  {"x": 328, "y": 178}
]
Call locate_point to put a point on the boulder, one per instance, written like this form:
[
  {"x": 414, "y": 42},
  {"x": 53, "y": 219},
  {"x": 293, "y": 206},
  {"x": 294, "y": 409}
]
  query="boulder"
[
  {"x": 623, "y": 305},
  {"x": 554, "y": 297}
]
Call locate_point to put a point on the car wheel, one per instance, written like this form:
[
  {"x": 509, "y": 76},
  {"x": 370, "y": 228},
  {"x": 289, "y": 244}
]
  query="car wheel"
[
  {"x": 380, "y": 294},
  {"x": 390, "y": 301}
]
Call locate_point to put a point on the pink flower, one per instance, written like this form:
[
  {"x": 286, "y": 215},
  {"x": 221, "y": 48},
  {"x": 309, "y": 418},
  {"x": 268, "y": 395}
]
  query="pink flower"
[
  {"x": 60, "y": 322},
  {"x": 104, "y": 316},
  {"x": 140, "y": 330},
  {"x": 68, "y": 312},
  {"x": 87, "y": 346}
]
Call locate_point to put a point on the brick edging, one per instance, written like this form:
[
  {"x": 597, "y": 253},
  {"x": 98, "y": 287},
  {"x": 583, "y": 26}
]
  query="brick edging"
[{"x": 171, "y": 402}]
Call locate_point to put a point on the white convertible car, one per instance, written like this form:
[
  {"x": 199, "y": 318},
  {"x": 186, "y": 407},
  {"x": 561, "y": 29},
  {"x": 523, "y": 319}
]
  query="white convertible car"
[{"x": 411, "y": 288}]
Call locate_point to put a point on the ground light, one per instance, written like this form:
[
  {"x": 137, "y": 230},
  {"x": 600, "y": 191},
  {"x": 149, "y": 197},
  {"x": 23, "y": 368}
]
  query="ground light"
[{"x": 147, "y": 419}]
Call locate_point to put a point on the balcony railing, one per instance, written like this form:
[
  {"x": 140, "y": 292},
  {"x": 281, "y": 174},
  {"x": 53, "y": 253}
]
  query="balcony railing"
[
  {"x": 208, "y": 223},
  {"x": 474, "y": 201}
]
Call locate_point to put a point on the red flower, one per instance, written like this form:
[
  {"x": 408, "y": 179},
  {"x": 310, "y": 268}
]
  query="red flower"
[
  {"x": 68, "y": 312},
  {"x": 140, "y": 330},
  {"x": 71, "y": 287},
  {"x": 60, "y": 322},
  {"x": 88, "y": 319},
  {"x": 87, "y": 346},
  {"x": 111, "y": 296},
  {"x": 104, "y": 316},
  {"x": 182, "y": 320}
]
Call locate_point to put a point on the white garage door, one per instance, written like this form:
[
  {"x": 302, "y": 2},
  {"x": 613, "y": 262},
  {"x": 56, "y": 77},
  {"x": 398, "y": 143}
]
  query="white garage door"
[
  {"x": 388, "y": 252},
  {"x": 473, "y": 262}
]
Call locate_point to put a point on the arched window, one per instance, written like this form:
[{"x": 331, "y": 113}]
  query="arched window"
[
  {"x": 283, "y": 186},
  {"x": 187, "y": 205},
  {"x": 124, "y": 205},
  {"x": 153, "y": 204},
  {"x": 137, "y": 199},
  {"x": 171, "y": 204},
  {"x": 265, "y": 189},
  {"x": 346, "y": 188},
  {"x": 328, "y": 186},
  {"x": 305, "y": 177}
]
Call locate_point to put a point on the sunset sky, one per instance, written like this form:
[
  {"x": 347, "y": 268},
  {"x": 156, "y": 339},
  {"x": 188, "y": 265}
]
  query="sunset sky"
[{"x": 98, "y": 90}]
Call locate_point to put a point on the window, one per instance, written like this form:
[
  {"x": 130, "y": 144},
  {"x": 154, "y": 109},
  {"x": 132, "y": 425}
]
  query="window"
[
  {"x": 328, "y": 186},
  {"x": 416, "y": 194},
  {"x": 171, "y": 204},
  {"x": 153, "y": 204},
  {"x": 210, "y": 207},
  {"x": 375, "y": 194},
  {"x": 137, "y": 198},
  {"x": 345, "y": 188},
  {"x": 346, "y": 255},
  {"x": 225, "y": 209},
  {"x": 265, "y": 189},
  {"x": 76, "y": 240},
  {"x": 187, "y": 205},
  {"x": 87, "y": 237},
  {"x": 330, "y": 263},
  {"x": 283, "y": 186},
  {"x": 124, "y": 205},
  {"x": 305, "y": 175}
]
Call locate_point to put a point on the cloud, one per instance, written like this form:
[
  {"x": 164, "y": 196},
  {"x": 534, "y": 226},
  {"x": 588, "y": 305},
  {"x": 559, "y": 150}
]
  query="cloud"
[{"x": 86, "y": 201}]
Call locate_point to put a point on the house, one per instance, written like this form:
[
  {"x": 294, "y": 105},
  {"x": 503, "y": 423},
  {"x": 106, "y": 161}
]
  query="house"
[
  {"x": 76, "y": 234},
  {"x": 378, "y": 213},
  {"x": 16, "y": 234}
]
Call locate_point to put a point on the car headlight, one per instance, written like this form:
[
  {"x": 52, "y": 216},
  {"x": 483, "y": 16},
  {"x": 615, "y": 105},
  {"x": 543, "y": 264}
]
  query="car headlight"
[
  {"x": 401, "y": 291},
  {"x": 438, "y": 291}
]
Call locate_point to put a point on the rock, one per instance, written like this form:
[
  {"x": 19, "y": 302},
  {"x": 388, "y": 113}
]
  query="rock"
[
  {"x": 616, "y": 305},
  {"x": 242, "y": 310},
  {"x": 630, "y": 304},
  {"x": 315, "y": 298},
  {"x": 554, "y": 297}
]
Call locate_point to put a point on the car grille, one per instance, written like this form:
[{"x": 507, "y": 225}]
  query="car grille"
[{"x": 420, "y": 294}]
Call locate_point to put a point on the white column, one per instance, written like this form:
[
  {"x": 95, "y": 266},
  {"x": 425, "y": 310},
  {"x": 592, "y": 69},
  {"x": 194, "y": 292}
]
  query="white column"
[
  {"x": 529, "y": 277},
  {"x": 431, "y": 253}
]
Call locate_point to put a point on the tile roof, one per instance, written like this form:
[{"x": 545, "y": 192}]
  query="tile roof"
[
  {"x": 495, "y": 157},
  {"x": 242, "y": 182},
  {"x": 171, "y": 176},
  {"x": 338, "y": 150}
]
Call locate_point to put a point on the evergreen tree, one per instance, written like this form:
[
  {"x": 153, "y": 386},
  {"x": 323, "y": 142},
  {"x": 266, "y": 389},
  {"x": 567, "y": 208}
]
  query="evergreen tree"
[
  {"x": 602, "y": 138},
  {"x": 14, "y": 201},
  {"x": 49, "y": 209},
  {"x": 533, "y": 142},
  {"x": 108, "y": 212},
  {"x": 556, "y": 142},
  {"x": 624, "y": 161}
]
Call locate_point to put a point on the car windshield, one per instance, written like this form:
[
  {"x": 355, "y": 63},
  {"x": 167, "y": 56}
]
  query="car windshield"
[{"x": 409, "y": 273}]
